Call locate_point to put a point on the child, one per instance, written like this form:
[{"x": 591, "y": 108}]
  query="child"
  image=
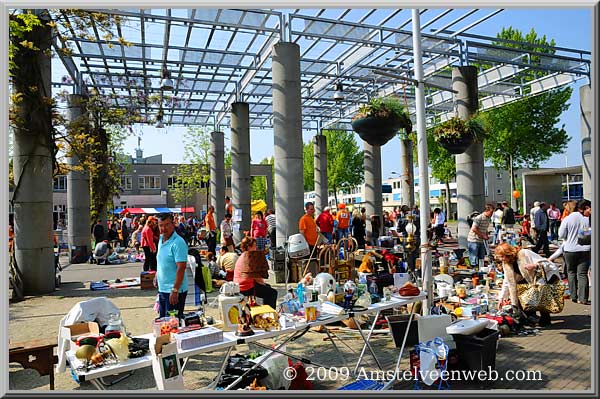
[
  {"x": 525, "y": 230},
  {"x": 212, "y": 266}
]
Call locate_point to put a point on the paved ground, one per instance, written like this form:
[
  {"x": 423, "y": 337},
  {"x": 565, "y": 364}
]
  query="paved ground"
[{"x": 561, "y": 352}]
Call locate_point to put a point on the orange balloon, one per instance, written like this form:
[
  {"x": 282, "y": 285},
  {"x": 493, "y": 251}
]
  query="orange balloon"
[{"x": 516, "y": 194}]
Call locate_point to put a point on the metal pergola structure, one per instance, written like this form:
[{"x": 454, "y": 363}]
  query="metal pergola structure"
[{"x": 218, "y": 56}]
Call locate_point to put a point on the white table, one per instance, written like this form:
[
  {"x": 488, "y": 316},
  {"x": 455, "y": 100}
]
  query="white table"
[{"x": 230, "y": 340}]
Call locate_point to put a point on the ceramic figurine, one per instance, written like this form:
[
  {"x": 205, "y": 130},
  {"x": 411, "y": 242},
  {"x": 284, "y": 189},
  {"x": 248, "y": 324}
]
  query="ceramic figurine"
[{"x": 245, "y": 321}]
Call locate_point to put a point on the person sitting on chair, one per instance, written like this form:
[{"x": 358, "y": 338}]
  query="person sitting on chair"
[{"x": 250, "y": 283}]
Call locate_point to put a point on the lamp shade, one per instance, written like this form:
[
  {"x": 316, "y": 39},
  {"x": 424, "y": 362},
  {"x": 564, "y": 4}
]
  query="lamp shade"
[{"x": 166, "y": 84}]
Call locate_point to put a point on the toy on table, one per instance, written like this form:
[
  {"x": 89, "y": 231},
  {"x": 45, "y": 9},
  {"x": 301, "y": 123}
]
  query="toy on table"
[{"x": 245, "y": 321}]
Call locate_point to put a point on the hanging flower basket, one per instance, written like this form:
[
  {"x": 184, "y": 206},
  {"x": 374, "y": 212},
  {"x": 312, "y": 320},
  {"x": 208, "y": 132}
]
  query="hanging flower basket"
[
  {"x": 378, "y": 122},
  {"x": 456, "y": 135},
  {"x": 457, "y": 145}
]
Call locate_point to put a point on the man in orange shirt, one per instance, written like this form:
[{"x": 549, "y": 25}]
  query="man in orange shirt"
[
  {"x": 343, "y": 219},
  {"x": 209, "y": 222},
  {"x": 307, "y": 225}
]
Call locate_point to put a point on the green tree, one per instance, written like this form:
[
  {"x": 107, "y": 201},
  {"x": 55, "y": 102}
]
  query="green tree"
[
  {"x": 443, "y": 166},
  {"x": 344, "y": 162},
  {"x": 525, "y": 133},
  {"x": 193, "y": 176},
  {"x": 258, "y": 184}
]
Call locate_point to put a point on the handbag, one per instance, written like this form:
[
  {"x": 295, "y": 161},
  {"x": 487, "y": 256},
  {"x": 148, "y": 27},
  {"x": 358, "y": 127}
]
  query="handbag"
[{"x": 541, "y": 297}]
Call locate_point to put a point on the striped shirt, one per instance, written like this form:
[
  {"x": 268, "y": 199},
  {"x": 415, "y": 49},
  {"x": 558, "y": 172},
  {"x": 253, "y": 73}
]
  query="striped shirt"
[
  {"x": 482, "y": 222},
  {"x": 270, "y": 222}
]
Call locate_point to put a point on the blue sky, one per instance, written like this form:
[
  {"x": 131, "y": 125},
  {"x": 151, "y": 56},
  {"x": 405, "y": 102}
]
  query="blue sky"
[{"x": 568, "y": 27}]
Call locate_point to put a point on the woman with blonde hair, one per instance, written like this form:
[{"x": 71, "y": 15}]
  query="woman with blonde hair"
[{"x": 521, "y": 265}]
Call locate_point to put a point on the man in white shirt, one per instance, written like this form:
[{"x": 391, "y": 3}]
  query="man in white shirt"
[
  {"x": 536, "y": 207},
  {"x": 577, "y": 256}
]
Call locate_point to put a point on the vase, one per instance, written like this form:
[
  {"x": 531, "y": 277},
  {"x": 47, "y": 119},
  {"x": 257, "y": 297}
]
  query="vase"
[
  {"x": 376, "y": 131},
  {"x": 457, "y": 145}
]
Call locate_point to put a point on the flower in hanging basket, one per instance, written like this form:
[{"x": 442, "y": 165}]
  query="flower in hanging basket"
[
  {"x": 379, "y": 120},
  {"x": 456, "y": 134}
]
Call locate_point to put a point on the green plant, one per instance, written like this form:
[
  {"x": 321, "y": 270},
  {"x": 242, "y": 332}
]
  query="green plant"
[
  {"x": 456, "y": 128},
  {"x": 385, "y": 107}
]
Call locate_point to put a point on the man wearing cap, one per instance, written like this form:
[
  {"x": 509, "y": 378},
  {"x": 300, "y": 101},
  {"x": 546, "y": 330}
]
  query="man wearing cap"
[
  {"x": 541, "y": 229},
  {"x": 343, "y": 219},
  {"x": 325, "y": 223}
]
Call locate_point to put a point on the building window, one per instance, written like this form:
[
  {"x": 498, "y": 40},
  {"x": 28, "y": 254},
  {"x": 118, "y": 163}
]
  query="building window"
[
  {"x": 126, "y": 183},
  {"x": 60, "y": 183},
  {"x": 172, "y": 182},
  {"x": 499, "y": 176},
  {"x": 149, "y": 182},
  {"x": 499, "y": 191}
]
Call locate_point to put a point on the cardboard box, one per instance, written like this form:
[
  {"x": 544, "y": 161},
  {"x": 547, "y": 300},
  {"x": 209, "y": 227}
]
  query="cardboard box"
[
  {"x": 147, "y": 280},
  {"x": 74, "y": 331},
  {"x": 196, "y": 338}
]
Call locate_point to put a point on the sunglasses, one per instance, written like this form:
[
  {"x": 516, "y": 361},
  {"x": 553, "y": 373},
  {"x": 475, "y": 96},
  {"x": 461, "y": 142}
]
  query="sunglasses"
[{"x": 89, "y": 340}]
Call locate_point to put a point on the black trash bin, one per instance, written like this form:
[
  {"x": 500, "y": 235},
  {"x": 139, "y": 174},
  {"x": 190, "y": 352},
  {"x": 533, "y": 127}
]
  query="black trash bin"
[
  {"x": 398, "y": 325},
  {"x": 477, "y": 352}
]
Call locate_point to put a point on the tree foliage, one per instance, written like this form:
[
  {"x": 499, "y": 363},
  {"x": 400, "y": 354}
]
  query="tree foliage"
[
  {"x": 344, "y": 161},
  {"x": 258, "y": 184},
  {"x": 193, "y": 175},
  {"x": 526, "y": 130}
]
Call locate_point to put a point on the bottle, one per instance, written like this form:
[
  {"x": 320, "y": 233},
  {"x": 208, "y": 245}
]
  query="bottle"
[
  {"x": 114, "y": 324},
  {"x": 373, "y": 287},
  {"x": 300, "y": 292}
]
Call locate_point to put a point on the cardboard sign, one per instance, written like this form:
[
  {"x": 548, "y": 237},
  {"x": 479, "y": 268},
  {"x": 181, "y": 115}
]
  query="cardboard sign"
[{"x": 165, "y": 364}]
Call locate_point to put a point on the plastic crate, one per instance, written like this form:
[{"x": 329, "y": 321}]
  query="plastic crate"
[
  {"x": 362, "y": 385},
  {"x": 477, "y": 352}
]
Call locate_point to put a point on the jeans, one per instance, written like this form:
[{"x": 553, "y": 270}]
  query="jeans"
[
  {"x": 165, "y": 306},
  {"x": 342, "y": 233},
  {"x": 273, "y": 238},
  {"x": 497, "y": 229},
  {"x": 577, "y": 266},
  {"x": 264, "y": 291},
  {"x": 554, "y": 224},
  {"x": 476, "y": 252},
  {"x": 327, "y": 235}
]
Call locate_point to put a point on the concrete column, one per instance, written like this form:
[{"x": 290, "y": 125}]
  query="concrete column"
[
  {"x": 217, "y": 174},
  {"x": 287, "y": 128},
  {"x": 469, "y": 165},
  {"x": 78, "y": 195},
  {"x": 587, "y": 126},
  {"x": 270, "y": 198},
  {"x": 373, "y": 197},
  {"x": 407, "y": 182},
  {"x": 32, "y": 162},
  {"x": 240, "y": 161},
  {"x": 321, "y": 189}
]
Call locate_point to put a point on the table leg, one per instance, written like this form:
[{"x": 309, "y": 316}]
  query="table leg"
[
  {"x": 390, "y": 383},
  {"x": 285, "y": 341},
  {"x": 213, "y": 384},
  {"x": 367, "y": 344},
  {"x": 362, "y": 353},
  {"x": 335, "y": 346}
]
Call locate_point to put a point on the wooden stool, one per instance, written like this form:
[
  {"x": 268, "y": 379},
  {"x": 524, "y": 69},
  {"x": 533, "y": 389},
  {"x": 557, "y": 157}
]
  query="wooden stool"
[{"x": 37, "y": 354}]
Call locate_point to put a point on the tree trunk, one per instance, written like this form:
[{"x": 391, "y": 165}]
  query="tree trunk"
[
  {"x": 33, "y": 155},
  {"x": 448, "y": 202}
]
